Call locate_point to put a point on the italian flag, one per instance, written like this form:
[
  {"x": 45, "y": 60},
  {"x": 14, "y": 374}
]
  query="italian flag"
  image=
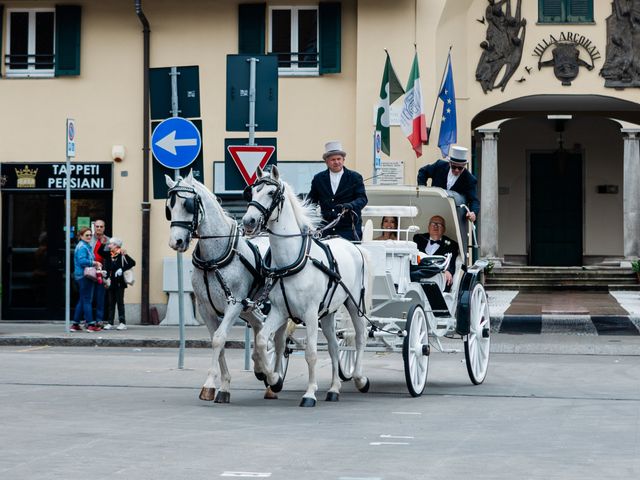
[{"x": 413, "y": 120}]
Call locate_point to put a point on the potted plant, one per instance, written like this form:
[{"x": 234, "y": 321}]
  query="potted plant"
[{"x": 635, "y": 266}]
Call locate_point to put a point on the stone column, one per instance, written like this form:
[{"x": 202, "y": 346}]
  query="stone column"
[
  {"x": 489, "y": 195},
  {"x": 631, "y": 192}
]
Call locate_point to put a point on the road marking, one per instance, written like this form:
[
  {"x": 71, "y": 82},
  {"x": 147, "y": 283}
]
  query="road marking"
[
  {"x": 395, "y": 436},
  {"x": 359, "y": 478},
  {"x": 246, "y": 474},
  {"x": 406, "y": 413},
  {"x": 33, "y": 349},
  {"x": 389, "y": 443}
]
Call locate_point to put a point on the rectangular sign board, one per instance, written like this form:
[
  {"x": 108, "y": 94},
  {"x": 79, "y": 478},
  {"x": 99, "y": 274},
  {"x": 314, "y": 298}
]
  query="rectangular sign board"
[{"x": 266, "y": 113}]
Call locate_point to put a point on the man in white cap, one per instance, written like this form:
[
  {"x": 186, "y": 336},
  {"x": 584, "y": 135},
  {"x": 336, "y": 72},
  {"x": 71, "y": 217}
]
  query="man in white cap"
[
  {"x": 453, "y": 176},
  {"x": 339, "y": 189}
]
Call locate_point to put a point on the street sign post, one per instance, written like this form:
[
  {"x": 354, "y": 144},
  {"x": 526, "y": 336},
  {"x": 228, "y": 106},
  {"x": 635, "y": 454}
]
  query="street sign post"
[
  {"x": 71, "y": 152},
  {"x": 176, "y": 142},
  {"x": 249, "y": 157}
]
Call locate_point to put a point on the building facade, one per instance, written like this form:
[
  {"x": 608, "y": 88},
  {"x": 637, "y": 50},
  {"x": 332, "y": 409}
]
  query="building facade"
[{"x": 546, "y": 92}]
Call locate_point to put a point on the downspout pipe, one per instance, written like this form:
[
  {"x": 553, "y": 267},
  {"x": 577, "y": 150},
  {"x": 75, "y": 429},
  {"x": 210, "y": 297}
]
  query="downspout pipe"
[{"x": 146, "y": 205}]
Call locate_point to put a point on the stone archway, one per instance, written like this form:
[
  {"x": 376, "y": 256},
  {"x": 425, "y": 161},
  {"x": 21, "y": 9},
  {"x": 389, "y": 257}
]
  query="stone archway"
[{"x": 623, "y": 187}]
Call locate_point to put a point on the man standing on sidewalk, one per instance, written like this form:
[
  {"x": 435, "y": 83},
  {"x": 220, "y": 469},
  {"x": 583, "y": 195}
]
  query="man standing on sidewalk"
[{"x": 99, "y": 244}]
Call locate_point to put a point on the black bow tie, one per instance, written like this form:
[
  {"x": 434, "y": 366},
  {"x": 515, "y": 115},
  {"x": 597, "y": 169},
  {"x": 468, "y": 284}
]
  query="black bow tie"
[{"x": 438, "y": 242}]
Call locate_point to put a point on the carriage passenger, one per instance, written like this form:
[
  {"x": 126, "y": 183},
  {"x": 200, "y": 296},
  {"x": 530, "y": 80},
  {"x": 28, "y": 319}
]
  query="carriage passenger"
[
  {"x": 435, "y": 242},
  {"x": 390, "y": 224},
  {"x": 339, "y": 189}
]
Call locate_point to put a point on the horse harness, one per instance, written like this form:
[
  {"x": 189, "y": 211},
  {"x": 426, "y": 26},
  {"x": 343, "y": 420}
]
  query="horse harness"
[{"x": 194, "y": 206}]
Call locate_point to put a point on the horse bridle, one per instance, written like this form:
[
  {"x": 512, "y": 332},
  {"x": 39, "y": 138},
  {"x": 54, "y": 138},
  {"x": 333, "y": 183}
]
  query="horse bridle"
[
  {"x": 276, "y": 203},
  {"x": 192, "y": 205}
]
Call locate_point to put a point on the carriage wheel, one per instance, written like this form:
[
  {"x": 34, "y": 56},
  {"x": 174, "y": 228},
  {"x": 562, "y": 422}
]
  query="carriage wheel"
[
  {"x": 415, "y": 351},
  {"x": 271, "y": 355},
  {"x": 477, "y": 342},
  {"x": 346, "y": 344}
]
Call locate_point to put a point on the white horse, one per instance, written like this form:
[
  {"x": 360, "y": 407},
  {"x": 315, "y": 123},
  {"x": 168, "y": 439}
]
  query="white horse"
[
  {"x": 309, "y": 282},
  {"x": 226, "y": 273}
]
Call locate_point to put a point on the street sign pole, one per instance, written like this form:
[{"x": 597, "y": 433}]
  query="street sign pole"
[
  {"x": 70, "y": 136},
  {"x": 174, "y": 112},
  {"x": 252, "y": 134},
  {"x": 252, "y": 101}
]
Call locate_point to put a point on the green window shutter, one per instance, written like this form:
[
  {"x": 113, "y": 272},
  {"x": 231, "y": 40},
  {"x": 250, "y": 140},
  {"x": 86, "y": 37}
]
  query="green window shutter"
[
  {"x": 330, "y": 20},
  {"x": 1, "y": 24},
  {"x": 580, "y": 11},
  {"x": 551, "y": 11},
  {"x": 251, "y": 28},
  {"x": 68, "y": 40}
]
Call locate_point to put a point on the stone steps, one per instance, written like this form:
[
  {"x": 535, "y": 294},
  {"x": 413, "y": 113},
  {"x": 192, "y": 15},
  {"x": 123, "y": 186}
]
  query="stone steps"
[{"x": 561, "y": 278}]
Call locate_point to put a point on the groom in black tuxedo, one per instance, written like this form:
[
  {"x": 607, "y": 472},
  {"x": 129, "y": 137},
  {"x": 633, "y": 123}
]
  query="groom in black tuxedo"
[{"x": 437, "y": 243}]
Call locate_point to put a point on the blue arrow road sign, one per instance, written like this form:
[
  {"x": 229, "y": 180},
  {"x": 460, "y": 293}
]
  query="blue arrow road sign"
[{"x": 176, "y": 142}]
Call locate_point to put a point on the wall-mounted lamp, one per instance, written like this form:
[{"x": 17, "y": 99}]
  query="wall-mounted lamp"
[{"x": 117, "y": 153}]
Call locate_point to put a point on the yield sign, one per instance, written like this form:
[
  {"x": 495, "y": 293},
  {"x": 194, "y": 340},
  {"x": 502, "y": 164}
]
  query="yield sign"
[{"x": 249, "y": 157}]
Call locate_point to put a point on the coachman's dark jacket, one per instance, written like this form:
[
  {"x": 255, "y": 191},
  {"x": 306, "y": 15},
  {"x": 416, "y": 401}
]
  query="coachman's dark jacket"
[
  {"x": 465, "y": 185},
  {"x": 350, "y": 193}
]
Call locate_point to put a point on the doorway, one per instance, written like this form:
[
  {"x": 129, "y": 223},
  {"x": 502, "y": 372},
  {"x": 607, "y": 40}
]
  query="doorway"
[
  {"x": 555, "y": 208},
  {"x": 34, "y": 250}
]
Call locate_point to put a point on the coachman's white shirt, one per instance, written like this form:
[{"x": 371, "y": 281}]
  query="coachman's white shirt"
[{"x": 335, "y": 179}]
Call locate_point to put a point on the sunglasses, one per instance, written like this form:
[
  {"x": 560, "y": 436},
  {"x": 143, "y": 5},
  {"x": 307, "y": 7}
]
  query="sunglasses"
[{"x": 457, "y": 167}]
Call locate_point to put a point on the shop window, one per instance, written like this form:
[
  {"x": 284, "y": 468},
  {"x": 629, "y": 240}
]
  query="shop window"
[
  {"x": 43, "y": 42},
  {"x": 565, "y": 11},
  {"x": 306, "y": 39}
]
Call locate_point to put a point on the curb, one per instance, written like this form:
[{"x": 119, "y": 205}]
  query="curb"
[
  {"x": 109, "y": 342},
  {"x": 618, "y": 325}
]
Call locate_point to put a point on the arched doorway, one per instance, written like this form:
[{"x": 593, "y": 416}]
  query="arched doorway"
[{"x": 561, "y": 181}]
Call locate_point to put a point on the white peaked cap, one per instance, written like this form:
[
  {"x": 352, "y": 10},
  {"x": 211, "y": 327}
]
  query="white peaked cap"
[{"x": 458, "y": 154}]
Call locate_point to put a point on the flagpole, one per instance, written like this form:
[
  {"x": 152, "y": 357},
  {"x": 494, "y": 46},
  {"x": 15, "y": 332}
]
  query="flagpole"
[{"x": 435, "y": 105}]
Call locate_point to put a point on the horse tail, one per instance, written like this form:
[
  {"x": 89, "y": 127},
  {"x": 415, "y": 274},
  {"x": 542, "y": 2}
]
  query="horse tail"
[{"x": 367, "y": 280}]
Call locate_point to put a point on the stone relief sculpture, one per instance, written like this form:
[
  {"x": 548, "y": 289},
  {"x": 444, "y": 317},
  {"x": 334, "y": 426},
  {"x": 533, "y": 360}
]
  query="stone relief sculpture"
[
  {"x": 503, "y": 45},
  {"x": 622, "y": 64}
]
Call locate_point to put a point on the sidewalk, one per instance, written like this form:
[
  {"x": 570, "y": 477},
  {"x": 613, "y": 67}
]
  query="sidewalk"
[{"x": 559, "y": 314}]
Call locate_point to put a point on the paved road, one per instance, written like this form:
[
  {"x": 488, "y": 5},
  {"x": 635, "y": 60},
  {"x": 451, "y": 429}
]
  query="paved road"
[{"x": 108, "y": 413}]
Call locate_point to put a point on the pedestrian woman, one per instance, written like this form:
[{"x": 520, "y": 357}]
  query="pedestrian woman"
[
  {"x": 83, "y": 257},
  {"x": 116, "y": 264}
]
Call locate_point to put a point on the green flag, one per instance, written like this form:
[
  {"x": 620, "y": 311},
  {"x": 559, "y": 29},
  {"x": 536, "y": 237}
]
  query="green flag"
[{"x": 390, "y": 91}]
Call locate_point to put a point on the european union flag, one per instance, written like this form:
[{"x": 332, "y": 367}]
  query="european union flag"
[{"x": 448, "y": 125}]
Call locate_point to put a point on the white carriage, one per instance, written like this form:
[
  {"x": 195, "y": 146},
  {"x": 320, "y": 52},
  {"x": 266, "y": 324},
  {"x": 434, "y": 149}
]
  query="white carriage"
[{"x": 413, "y": 316}]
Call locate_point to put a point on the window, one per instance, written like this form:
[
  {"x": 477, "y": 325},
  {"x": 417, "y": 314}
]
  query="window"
[
  {"x": 43, "y": 42},
  {"x": 565, "y": 11},
  {"x": 306, "y": 39},
  {"x": 294, "y": 38}
]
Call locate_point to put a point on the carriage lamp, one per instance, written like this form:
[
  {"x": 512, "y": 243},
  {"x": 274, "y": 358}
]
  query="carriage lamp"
[{"x": 117, "y": 153}]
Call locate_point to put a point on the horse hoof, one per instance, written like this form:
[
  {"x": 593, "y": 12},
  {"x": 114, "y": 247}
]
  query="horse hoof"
[
  {"x": 270, "y": 394},
  {"x": 308, "y": 402},
  {"x": 260, "y": 376},
  {"x": 278, "y": 386},
  {"x": 332, "y": 397},
  {"x": 365, "y": 387},
  {"x": 223, "y": 397},
  {"x": 207, "y": 394}
]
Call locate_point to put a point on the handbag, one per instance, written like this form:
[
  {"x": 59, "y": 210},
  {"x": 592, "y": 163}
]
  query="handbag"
[
  {"x": 129, "y": 279},
  {"x": 91, "y": 273}
]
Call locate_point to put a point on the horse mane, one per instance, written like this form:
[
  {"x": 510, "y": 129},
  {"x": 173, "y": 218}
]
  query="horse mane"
[
  {"x": 205, "y": 192},
  {"x": 304, "y": 211}
]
